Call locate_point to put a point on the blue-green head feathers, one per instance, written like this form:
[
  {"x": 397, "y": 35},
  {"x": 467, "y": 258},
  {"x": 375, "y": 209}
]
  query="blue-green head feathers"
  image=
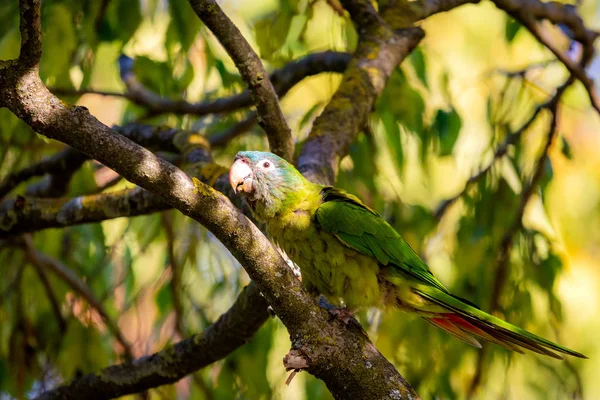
[{"x": 268, "y": 182}]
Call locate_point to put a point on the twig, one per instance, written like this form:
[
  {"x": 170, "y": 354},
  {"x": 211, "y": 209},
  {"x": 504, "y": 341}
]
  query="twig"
[
  {"x": 503, "y": 265},
  {"x": 65, "y": 161},
  {"x": 12, "y": 285},
  {"x": 282, "y": 79},
  {"x": 527, "y": 12},
  {"x": 39, "y": 268},
  {"x": 224, "y": 137},
  {"x": 500, "y": 152},
  {"x": 175, "y": 267},
  {"x": 542, "y": 36},
  {"x": 526, "y": 193},
  {"x": 77, "y": 285},
  {"x": 270, "y": 116}
]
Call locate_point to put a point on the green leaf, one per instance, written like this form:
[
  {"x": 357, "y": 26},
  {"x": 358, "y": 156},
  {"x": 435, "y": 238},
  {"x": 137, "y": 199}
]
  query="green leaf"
[
  {"x": 566, "y": 148},
  {"x": 83, "y": 350},
  {"x": 271, "y": 33},
  {"x": 164, "y": 299},
  {"x": 417, "y": 59},
  {"x": 447, "y": 125},
  {"x": 59, "y": 45},
  {"x": 123, "y": 17},
  {"x": 393, "y": 138},
  {"x": 547, "y": 174},
  {"x": 310, "y": 114},
  {"x": 403, "y": 101},
  {"x": 184, "y": 25},
  {"x": 511, "y": 29}
]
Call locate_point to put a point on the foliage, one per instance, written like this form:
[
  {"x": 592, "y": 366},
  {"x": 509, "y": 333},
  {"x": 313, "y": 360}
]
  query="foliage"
[{"x": 438, "y": 121}]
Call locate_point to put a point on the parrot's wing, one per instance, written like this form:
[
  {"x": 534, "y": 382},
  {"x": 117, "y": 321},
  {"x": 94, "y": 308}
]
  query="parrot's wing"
[{"x": 362, "y": 229}]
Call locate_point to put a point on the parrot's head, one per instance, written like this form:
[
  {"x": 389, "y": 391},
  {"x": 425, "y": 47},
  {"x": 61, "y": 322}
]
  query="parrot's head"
[{"x": 267, "y": 181}]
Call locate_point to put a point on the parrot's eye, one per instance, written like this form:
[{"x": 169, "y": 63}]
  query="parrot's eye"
[{"x": 265, "y": 164}]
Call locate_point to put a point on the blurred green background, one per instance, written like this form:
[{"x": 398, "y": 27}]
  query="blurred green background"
[{"x": 438, "y": 121}]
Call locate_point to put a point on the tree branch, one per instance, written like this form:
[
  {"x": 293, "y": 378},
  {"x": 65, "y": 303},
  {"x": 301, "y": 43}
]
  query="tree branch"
[
  {"x": 378, "y": 53},
  {"x": 31, "y": 35},
  {"x": 232, "y": 330},
  {"x": 362, "y": 372},
  {"x": 557, "y": 13},
  {"x": 527, "y": 12},
  {"x": 553, "y": 11},
  {"x": 175, "y": 267},
  {"x": 503, "y": 266},
  {"x": 79, "y": 287},
  {"x": 282, "y": 79},
  {"x": 60, "y": 163},
  {"x": 27, "y": 214},
  {"x": 222, "y": 138},
  {"x": 40, "y": 269},
  {"x": 500, "y": 152},
  {"x": 270, "y": 116}
]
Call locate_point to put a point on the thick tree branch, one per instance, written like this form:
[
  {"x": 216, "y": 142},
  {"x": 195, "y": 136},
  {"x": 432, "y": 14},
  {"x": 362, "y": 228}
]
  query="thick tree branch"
[
  {"x": 404, "y": 13},
  {"x": 25, "y": 214},
  {"x": 378, "y": 53},
  {"x": 233, "y": 329},
  {"x": 426, "y": 8},
  {"x": 270, "y": 116},
  {"x": 361, "y": 372},
  {"x": 62, "y": 165}
]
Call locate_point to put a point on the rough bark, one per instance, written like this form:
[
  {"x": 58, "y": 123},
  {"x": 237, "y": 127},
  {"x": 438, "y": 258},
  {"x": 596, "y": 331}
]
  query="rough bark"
[{"x": 379, "y": 51}]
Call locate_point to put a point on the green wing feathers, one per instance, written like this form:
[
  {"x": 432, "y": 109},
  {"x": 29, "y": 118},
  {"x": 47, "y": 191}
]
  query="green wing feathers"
[{"x": 363, "y": 230}]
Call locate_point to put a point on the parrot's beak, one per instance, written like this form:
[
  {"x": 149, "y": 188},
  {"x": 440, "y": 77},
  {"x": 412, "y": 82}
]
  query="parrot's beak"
[{"x": 240, "y": 177}]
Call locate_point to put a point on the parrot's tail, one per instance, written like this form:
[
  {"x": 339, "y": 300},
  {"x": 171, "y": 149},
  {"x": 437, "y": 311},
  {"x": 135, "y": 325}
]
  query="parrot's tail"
[{"x": 469, "y": 323}]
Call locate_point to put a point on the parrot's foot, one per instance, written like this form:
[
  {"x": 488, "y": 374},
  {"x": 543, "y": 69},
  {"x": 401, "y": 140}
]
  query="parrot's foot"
[{"x": 342, "y": 314}]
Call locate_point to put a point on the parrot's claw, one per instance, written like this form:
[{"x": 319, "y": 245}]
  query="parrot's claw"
[{"x": 342, "y": 314}]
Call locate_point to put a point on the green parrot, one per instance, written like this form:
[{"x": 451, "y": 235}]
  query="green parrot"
[{"x": 346, "y": 251}]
